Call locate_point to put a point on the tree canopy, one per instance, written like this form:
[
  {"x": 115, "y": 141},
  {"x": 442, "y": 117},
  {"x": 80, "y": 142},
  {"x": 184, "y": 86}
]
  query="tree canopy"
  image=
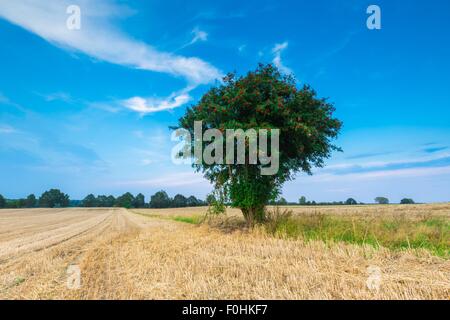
[
  {"x": 264, "y": 99},
  {"x": 2, "y": 201},
  {"x": 160, "y": 200},
  {"x": 139, "y": 201},
  {"x": 407, "y": 201},
  {"x": 382, "y": 200},
  {"x": 179, "y": 201},
  {"x": 125, "y": 201},
  {"x": 53, "y": 198},
  {"x": 31, "y": 201}
]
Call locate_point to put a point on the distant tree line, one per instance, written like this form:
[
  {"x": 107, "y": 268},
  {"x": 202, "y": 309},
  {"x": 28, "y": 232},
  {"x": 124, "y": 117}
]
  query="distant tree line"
[
  {"x": 349, "y": 201},
  {"x": 54, "y": 198},
  {"x": 159, "y": 200}
]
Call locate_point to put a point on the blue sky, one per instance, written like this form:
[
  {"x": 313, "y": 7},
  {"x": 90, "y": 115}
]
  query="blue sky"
[{"x": 88, "y": 110}]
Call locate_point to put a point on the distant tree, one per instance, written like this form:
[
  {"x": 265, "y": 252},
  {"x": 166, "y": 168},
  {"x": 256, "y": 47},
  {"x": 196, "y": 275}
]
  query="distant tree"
[
  {"x": 75, "y": 203},
  {"x": 210, "y": 199},
  {"x": 282, "y": 202},
  {"x": 194, "y": 202},
  {"x": 90, "y": 201},
  {"x": 105, "y": 201},
  {"x": 302, "y": 200},
  {"x": 160, "y": 200},
  {"x": 139, "y": 201},
  {"x": 21, "y": 203},
  {"x": 2, "y": 202},
  {"x": 125, "y": 201},
  {"x": 53, "y": 198},
  {"x": 110, "y": 201},
  {"x": 407, "y": 201},
  {"x": 31, "y": 201},
  {"x": 12, "y": 204},
  {"x": 101, "y": 201},
  {"x": 382, "y": 200},
  {"x": 179, "y": 201},
  {"x": 351, "y": 201},
  {"x": 15, "y": 203}
]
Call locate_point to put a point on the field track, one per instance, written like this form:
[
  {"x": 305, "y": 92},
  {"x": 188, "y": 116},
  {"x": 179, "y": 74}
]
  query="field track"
[{"x": 124, "y": 255}]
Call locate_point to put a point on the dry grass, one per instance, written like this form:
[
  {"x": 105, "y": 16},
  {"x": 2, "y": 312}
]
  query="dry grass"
[{"x": 123, "y": 255}]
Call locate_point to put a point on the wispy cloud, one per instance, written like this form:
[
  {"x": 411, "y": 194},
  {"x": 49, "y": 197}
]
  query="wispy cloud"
[
  {"x": 434, "y": 149},
  {"x": 368, "y": 155},
  {"x": 57, "y": 96},
  {"x": 151, "y": 105},
  {"x": 198, "y": 35},
  {"x": 337, "y": 48},
  {"x": 100, "y": 39},
  {"x": 277, "y": 50},
  {"x": 170, "y": 180},
  {"x": 6, "y": 129},
  {"x": 380, "y": 174},
  {"x": 382, "y": 168}
]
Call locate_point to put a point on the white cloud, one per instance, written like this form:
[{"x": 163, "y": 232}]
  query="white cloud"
[
  {"x": 150, "y": 105},
  {"x": 5, "y": 129},
  {"x": 98, "y": 38},
  {"x": 170, "y": 180},
  {"x": 375, "y": 175},
  {"x": 57, "y": 96},
  {"x": 276, "y": 51},
  {"x": 3, "y": 99},
  {"x": 383, "y": 164},
  {"x": 199, "y": 35}
]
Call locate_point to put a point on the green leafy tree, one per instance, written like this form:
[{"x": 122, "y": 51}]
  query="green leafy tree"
[
  {"x": 382, "y": 200},
  {"x": 179, "y": 201},
  {"x": 264, "y": 99},
  {"x": 210, "y": 199},
  {"x": 53, "y": 198},
  {"x": 2, "y": 202},
  {"x": 125, "y": 201},
  {"x": 101, "y": 201},
  {"x": 194, "y": 202},
  {"x": 160, "y": 200},
  {"x": 139, "y": 201},
  {"x": 105, "y": 201},
  {"x": 90, "y": 201},
  {"x": 407, "y": 201},
  {"x": 12, "y": 204},
  {"x": 31, "y": 201},
  {"x": 302, "y": 200},
  {"x": 351, "y": 201},
  {"x": 282, "y": 202},
  {"x": 21, "y": 203},
  {"x": 110, "y": 201}
]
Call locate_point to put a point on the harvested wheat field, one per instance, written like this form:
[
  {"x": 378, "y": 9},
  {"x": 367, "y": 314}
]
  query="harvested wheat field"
[{"x": 168, "y": 254}]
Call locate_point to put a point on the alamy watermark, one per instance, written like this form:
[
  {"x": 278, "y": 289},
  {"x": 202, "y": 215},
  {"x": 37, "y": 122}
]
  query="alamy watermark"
[
  {"x": 73, "y": 277},
  {"x": 256, "y": 141},
  {"x": 373, "y": 281},
  {"x": 374, "y": 20},
  {"x": 73, "y": 22}
]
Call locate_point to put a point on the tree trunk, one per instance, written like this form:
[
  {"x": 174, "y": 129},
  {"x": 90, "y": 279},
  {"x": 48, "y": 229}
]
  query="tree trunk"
[{"x": 253, "y": 215}]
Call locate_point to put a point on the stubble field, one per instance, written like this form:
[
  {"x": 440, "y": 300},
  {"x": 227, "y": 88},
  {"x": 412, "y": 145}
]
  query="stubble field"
[{"x": 166, "y": 254}]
